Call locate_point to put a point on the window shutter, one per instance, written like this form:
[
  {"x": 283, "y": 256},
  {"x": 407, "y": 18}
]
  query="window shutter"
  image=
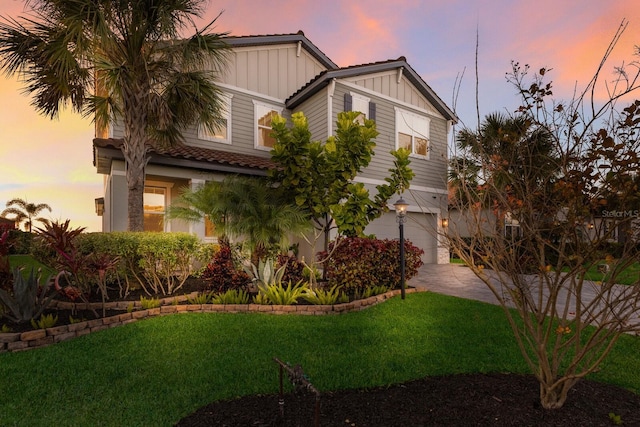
[
  {"x": 372, "y": 110},
  {"x": 348, "y": 102}
]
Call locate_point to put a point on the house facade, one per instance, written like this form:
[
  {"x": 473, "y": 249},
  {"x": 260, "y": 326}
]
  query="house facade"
[
  {"x": 7, "y": 224},
  {"x": 284, "y": 74}
]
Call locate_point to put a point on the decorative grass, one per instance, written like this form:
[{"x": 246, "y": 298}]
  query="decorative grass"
[{"x": 154, "y": 372}]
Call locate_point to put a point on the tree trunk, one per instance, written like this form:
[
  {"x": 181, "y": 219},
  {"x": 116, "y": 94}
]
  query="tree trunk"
[
  {"x": 135, "y": 154},
  {"x": 327, "y": 236},
  {"x": 135, "y": 195},
  {"x": 554, "y": 397}
]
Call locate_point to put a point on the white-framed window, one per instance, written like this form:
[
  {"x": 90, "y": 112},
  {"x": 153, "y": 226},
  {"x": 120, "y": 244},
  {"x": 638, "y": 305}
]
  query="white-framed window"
[
  {"x": 155, "y": 199},
  {"x": 223, "y": 133},
  {"x": 412, "y": 133},
  {"x": 360, "y": 103},
  {"x": 155, "y": 205},
  {"x": 264, "y": 114},
  {"x": 354, "y": 101}
]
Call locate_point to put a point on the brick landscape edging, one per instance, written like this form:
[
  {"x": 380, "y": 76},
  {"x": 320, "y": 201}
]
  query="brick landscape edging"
[{"x": 19, "y": 341}]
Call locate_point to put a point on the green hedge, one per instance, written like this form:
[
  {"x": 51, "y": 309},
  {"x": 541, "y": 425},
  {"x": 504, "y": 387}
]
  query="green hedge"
[{"x": 159, "y": 263}]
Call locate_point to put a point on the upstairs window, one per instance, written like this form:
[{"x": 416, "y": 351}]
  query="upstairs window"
[
  {"x": 264, "y": 114},
  {"x": 412, "y": 133},
  {"x": 222, "y": 133},
  {"x": 356, "y": 102}
]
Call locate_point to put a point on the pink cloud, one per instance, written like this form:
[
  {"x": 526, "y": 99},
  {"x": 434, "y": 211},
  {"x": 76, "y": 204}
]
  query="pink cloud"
[{"x": 567, "y": 36}]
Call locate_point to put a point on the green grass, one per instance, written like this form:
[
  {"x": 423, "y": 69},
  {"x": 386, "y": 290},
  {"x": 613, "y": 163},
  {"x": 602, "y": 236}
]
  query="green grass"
[
  {"x": 154, "y": 372},
  {"x": 28, "y": 262},
  {"x": 629, "y": 276}
]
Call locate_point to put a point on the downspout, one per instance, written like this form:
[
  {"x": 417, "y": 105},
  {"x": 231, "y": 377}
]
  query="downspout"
[{"x": 330, "y": 92}]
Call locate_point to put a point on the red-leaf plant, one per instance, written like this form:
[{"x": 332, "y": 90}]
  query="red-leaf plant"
[{"x": 70, "y": 263}]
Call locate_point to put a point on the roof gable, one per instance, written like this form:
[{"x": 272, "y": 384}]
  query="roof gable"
[
  {"x": 274, "y": 39},
  {"x": 274, "y": 66},
  {"x": 400, "y": 65}
]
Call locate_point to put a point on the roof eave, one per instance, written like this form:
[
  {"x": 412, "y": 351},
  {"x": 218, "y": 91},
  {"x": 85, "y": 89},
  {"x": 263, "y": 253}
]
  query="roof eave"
[
  {"x": 103, "y": 157},
  {"x": 428, "y": 93},
  {"x": 323, "y": 79},
  {"x": 299, "y": 37}
]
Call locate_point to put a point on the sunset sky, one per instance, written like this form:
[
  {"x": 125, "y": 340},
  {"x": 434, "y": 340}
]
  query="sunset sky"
[{"x": 46, "y": 161}]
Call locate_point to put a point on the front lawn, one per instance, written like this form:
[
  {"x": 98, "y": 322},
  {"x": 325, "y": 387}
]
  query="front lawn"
[
  {"x": 154, "y": 372},
  {"x": 629, "y": 276},
  {"x": 27, "y": 262}
]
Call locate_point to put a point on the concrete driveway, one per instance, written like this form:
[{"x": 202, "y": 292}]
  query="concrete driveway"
[
  {"x": 452, "y": 279},
  {"x": 459, "y": 281}
]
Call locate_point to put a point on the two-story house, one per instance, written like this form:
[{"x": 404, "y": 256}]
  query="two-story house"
[{"x": 284, "y": 74}]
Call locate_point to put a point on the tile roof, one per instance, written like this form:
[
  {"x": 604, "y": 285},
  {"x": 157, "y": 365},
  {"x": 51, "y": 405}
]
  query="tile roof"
[{"x": 199, "y": 157}]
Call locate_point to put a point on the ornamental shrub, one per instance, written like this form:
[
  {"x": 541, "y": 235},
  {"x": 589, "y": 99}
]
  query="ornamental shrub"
[
  {"x": 359, "y": 263},
  {"x": 159, "y": 263},
  {"x": 294, "y": 269},
  {"x": 224, "y": 273},
  {"x": 21, "y": 242},
  {"x": 166, "y": 259}
]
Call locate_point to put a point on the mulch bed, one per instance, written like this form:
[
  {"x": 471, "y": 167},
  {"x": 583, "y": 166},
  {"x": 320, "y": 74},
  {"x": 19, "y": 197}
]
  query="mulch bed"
[{"x": 455, "y": 400}]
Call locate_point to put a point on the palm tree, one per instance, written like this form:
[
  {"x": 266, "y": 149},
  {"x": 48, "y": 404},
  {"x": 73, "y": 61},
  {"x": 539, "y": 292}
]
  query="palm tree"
[
  {"x": 504, "y": 152},
  {"x": 26, "y": 212},
  {"x": 120, "y": 61},
  {"x": 246, "y": 208}
]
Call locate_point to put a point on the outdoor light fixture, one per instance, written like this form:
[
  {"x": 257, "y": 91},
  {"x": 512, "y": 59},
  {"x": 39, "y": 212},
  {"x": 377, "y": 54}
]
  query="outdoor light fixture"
[
  {"x": 99, "y": 206},
  {"x": 401, "y": 208},
  {"x": 445, "y": 222},
  {"x": 401, "y": 213}
]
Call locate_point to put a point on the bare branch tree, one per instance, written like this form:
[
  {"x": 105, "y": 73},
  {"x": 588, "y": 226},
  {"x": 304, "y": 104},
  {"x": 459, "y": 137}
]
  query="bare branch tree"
[{"x": 545, "y": 196}]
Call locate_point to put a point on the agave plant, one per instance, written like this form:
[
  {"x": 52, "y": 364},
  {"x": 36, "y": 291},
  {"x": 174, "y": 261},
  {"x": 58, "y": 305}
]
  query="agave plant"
[
  {"x": 265, "y": 274},
  {"x": 28, "y": 299}
]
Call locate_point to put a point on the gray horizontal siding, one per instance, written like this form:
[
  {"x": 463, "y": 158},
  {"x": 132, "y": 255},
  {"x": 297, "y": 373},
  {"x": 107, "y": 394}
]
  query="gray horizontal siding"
[
  {"x": 430, "y": 172},
  {"x": 315, "y": 110}
]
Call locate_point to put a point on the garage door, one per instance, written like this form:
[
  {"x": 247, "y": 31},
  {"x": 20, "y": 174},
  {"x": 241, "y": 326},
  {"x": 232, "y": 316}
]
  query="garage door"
[{"x": 418, "y": 228}]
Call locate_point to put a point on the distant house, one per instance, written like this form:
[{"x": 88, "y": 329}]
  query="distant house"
[
  {"x": 7, "y": 224},
  {"x": 285, "y": 74}
]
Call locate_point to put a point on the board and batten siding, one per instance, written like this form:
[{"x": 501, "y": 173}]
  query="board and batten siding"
[
  {"x": 276, "y": 71},
  {"x": 386, "y": 83}
]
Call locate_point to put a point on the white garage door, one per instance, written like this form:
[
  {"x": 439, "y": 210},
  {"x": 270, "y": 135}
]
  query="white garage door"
[{"x": 418, "y": 228}]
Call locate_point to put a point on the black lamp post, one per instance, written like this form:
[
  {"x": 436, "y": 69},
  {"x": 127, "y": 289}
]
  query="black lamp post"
[{"x": 401, "y": 213}]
